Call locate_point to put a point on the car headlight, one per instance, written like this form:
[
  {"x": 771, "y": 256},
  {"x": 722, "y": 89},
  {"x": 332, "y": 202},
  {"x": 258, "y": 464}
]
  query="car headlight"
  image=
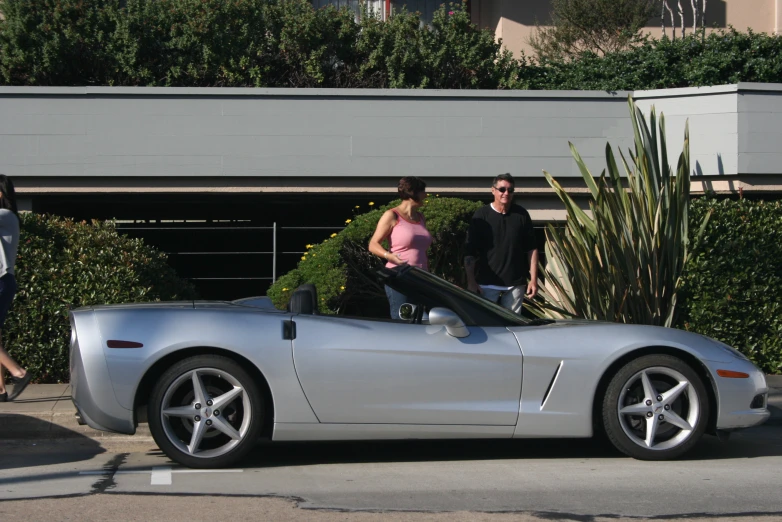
[{"x": 727, "y": 348}]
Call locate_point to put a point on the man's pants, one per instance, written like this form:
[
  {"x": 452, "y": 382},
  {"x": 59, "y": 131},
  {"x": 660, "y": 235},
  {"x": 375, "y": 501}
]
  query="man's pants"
[{"x": 511, "y": 299}]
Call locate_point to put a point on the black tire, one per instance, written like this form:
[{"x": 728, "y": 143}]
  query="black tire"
[
  {"x": 222, "y": 437},
  {"x": 664, "y": 422}
]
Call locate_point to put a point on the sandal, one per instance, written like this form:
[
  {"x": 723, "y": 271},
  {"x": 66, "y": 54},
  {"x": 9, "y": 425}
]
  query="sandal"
[{"x": 20, "y": 383}]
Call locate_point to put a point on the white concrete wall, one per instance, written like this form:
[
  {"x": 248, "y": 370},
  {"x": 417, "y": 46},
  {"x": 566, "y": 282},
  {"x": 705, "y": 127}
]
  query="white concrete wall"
[
  {"x": 760, "y": 131},
  {"x": 734, "y": 129},
  {"x": 126, "y": 133},
  {"x": 121, "y": 132},
  {"x": 712, "y": 114}
]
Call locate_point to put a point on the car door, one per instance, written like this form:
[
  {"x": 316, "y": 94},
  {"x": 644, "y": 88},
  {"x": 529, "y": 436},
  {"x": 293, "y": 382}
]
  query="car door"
[{"x": 356, "y": 370}]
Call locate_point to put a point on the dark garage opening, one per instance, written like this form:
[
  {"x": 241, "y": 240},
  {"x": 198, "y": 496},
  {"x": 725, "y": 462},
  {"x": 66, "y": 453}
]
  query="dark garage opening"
[{"x": 223, "y": 243}]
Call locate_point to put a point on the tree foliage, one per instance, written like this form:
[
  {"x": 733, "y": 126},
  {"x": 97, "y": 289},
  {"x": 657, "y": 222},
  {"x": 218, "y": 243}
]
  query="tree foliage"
[
  {"x": 597, "y": 26},
  {"x": 254, "y": 43},
  {"x": 274, "y": 43}
]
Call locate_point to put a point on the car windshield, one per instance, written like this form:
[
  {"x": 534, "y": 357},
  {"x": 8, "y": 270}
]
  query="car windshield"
[{"x": 452, "y": 293}]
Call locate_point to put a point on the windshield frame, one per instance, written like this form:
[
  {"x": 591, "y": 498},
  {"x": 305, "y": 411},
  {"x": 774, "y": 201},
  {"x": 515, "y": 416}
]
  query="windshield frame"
[{"x": 446, "y": 294}]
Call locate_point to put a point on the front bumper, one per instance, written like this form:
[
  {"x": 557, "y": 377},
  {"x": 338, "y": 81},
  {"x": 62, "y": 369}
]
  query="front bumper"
[{"x": 743, "y": 402}]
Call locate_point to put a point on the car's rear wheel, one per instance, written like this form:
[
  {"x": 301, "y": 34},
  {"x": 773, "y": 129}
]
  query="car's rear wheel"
[
  {"x": 655, "y": 408},
  {"x": 206, "y": 412}
]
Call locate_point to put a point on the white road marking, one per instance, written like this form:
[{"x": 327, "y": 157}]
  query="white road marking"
[{"x": 162, "y": 475}]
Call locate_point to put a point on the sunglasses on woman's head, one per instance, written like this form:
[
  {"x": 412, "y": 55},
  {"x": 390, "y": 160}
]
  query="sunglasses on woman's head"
[{"x": 502, "y": 190}]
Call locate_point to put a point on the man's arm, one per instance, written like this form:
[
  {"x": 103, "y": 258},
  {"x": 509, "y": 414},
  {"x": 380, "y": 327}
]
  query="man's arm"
[
  {"x": 532, "y": 287},
  {"x": 469, "y": 268}
]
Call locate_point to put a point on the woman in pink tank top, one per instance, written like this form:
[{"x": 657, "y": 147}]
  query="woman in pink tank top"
[{"x": 405, "y": 229}]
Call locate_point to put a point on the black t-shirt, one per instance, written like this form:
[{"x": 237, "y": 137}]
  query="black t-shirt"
[{"x": 502, "y": 243}]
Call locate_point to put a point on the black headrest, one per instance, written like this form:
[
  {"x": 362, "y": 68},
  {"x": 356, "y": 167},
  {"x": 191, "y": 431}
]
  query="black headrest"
[{"x": 304, "y": 300}]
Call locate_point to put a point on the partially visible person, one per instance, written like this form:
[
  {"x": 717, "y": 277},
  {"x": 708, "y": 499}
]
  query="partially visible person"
[
  {"x": 9, "y": 243},
  {"x": 500, "y": 252},
  {"x": 408, "y": 239}
]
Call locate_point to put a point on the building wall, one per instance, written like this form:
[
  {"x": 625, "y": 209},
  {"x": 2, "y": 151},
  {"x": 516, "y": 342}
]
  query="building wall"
[
  {"x": 57, "y": 141},
  {"x": 515, "y": 21},
  {"x": 760, "y": 132},
  {"x": 287, "y": 133}
]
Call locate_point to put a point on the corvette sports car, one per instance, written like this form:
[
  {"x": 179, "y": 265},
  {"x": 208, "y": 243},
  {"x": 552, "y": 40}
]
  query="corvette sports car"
[{"x": 212, "y": 378}]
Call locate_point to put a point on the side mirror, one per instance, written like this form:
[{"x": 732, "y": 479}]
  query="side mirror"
[
  {"x": 407, "y": 312},
  {"x": 452, "y": 322}
]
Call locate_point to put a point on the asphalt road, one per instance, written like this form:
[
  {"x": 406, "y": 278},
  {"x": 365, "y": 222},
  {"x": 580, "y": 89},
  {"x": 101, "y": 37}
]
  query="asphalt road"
[{"x": 423, "y": 480}]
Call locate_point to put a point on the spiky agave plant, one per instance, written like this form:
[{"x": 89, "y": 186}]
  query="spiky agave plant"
[{"x": 624, "y": 262}]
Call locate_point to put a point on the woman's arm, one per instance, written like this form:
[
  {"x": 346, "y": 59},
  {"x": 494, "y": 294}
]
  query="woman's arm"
[{"x": 383, "y": 230}]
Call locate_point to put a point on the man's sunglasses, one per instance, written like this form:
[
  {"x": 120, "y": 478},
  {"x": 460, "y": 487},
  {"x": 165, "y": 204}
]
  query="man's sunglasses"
[{"x": 502, "y": 190}]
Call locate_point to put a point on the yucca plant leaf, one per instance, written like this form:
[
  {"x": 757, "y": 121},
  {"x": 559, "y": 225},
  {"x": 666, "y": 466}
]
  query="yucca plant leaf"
[{"x": 623, "y": 261}]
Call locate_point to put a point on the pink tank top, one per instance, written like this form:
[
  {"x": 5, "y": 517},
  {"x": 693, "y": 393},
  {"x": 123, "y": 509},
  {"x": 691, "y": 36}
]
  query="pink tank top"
[{"x": 410, "y": 241}]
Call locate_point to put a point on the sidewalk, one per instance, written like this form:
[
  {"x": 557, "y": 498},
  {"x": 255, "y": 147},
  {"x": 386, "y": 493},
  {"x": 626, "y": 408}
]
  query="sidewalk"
[{"x": 45, "y": 411}]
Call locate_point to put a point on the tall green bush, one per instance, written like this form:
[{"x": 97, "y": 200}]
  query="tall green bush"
[
  {"x": 342, "y": 269},
  {"x": 64, "y": 264},
  {"x": 732, "y": 287}
]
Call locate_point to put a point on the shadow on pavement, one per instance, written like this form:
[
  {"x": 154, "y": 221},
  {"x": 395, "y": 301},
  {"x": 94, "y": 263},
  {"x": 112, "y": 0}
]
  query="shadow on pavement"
[
  {"x": 762, "y": 441},
  {"x": 308, "y": 453},
  {"x": 28, "y": 440}
]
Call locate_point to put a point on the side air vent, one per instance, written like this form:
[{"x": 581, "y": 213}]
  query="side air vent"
[{"x": 551, "y": 385}]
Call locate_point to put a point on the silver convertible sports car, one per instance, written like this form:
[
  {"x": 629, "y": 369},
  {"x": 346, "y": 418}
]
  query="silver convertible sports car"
[{"x": 212, "y": 378}]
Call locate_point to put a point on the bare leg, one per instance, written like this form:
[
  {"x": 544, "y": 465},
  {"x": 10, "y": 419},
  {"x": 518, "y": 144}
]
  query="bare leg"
[
  {"x": 2, "y": 380},
  {"x": 15, "y": 369}
]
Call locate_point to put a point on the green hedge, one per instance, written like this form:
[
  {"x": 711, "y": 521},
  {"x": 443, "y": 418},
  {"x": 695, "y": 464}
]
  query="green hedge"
[
  {"x": 722, "y": 57},
  {"x": 342, "y": 268},
  {"x": 64, "y": 264},
  {"x": 276, "y": 43},
  {"x": 733, "y": 282}
]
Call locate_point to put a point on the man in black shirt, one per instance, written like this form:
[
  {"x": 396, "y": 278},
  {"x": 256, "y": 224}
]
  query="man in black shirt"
[{"x": 501, "y": 250}]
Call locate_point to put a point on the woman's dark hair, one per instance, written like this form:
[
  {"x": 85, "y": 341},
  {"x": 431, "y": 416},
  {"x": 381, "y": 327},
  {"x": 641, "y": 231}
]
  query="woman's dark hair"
[
  {"x": 8, "y": 200},
  {"x": 409, "y": 186},
  {"x": 504, "y": 177}
]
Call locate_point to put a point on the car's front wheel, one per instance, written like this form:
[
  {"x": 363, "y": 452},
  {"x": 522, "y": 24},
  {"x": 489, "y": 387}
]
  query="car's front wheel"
[
  {"x": 206, "y": 412},
  {"x": 655, "y": 408}
]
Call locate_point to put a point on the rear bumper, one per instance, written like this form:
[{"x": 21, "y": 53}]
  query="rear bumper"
[{"x": 91, "y": 390}]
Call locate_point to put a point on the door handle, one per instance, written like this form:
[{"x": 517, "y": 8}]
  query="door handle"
[{"x": 288, "y": 329}]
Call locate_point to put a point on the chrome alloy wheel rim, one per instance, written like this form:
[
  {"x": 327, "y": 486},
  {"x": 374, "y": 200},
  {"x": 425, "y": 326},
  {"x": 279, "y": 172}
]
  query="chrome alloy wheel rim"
[
  {"x": 658, "y": 408},
  {"x": 206, "y": 412}
]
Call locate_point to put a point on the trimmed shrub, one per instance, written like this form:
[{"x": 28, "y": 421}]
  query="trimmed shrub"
[
  {"x": 733, "y": 282},
  {"x": 62, "y": 265},
  {"x": 341, "y": 267}
]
